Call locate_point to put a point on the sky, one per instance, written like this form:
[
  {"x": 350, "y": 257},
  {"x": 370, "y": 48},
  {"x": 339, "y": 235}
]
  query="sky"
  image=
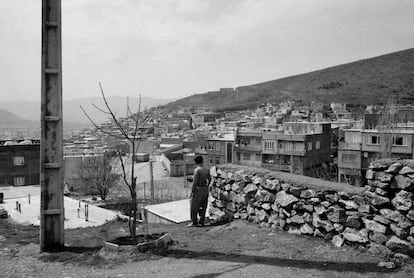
[{"x": 175, "y": 48}]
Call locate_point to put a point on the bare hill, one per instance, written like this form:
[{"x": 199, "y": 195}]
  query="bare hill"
[{"x": 368, "y": 81}]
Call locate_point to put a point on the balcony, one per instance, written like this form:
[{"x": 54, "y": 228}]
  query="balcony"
[{"x": 349, "y": 146}]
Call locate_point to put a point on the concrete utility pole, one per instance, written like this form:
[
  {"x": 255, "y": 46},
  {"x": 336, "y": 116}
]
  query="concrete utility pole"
[{"x": 51, "y": 151}]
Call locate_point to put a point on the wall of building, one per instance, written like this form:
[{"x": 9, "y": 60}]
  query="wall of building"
[{"x": 379, "y": 216}]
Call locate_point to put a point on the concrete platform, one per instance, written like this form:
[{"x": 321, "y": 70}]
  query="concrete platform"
[
  {"x": 172, "y": 212},
  {"x": 31, "y": 212}
]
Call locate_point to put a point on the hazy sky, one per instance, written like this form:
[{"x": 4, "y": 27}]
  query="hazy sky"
[{"x": 174, "y": 48}]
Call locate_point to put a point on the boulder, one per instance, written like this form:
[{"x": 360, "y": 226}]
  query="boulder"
[
  {"x": 235, "y": 187},
  {"x": 338, "y": 241},
  {"x": 376, "y": 199},
  {"x": 250, "y": 189},
  {"x": 348, "y": 204},
  {"x": 379, "y": 238},
  {"x": 353, "y": 222},
  {"x": 392, "y": 215},
  {"x": 264, "y": 196},
  {"x": 307, "y": 194},
  {"x": 271, "y": 185},
  {"x": 338, "y": 227},
  {"x": 285, "y": 200},
  {"x": 306, "y": 229},
  {"x": 353, "y": 235},
  {"x": 401, "y": 182},
  {"x": 295, "y": 190},
  {"x": 381, "y": 191},
  {"x": 266, "y": 206},
  {"x": 410, "y": 214},
  {"x": 261, "y": 215},
  {"x": 319, "y": 223},
  {"x": 405, "y": 223},
  {"x": 394, "y": 168},
  {"x": 399, "y": 232},
  {"x": 406, "y": 170},
  {"x": 374, "y": 226},
  {"x": 336, "y": 214},
  {"x": 400, "y": 246},
  {"x": 365, "y": 209},
  {"x": 296, "y": 219},
  {"x": 319, "y": 233},
  {"x": 381, "y": 219},
  {"x": 383, "y": 177},
  {"x": 403, "y": 200},
  {"x": 380, "y": 250},
  {"x": 344, "y": 195}
]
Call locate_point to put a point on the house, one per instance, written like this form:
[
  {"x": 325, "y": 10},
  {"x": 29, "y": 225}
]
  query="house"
[
  {"x": 20, "y": 162},
  {"x": 220, "y": 148},
  {"x": 248, "y": 147}
]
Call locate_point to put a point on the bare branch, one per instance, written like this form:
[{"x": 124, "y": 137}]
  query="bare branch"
[
  {"x": 137, "y": 120},
  {"x": 123, "y": 169},
  {"x": 100, "y": 109},
  {"x": 113, "y": 115},
  {"x": 98, "y": 127}
]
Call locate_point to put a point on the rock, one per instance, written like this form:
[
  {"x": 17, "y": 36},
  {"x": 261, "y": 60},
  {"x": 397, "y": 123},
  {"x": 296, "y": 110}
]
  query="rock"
[
  {"x": 381, "y": 219},
  {"x": 381, "y": 191},
  {"x": 400, "y": 246},
  {"x": 307, "y": 217},
  {"x": 344, "y": 195},
  {"x": 285, "y": 200},
  {"x": 403, "y": 200},
  {"x": 405, "y": 223},
  {"x": 401, "y": 182},
  {"x": 375, "y": 184},
  {"x": 378, "y": 166},
  {"x": 376, "y": 199},
  {"x": 348, "y": 204},
  {"x": 394, "y": 168},
  {"x": 318, "y": 233},
  {"x": 412, "y": 231},
  {"x": 271, "y": 185},
  {"x": 306, "y": 229},
  {"x": 296, "y": 219},
  {"x": 227, "y": 187},
  {"x": 326, "y": 204},
  {"x": 365, "y": 209},
  {"x": 338, "y": 241},
  {"x": 406, "y": 170},
  {"x": 370, "y": 174},
  {"x": 401, "y": 256},
  {"x": 410, "y": 214},
  {"x": 235, "y": 187},
  {"x": 374, "y": 226},
  {"x": 388, "y": 265},
  {"x": 264, "y": 196},
  {"x": 315, "y": 201},
  {"x": 336, "y": 214},
  {"x": 383, "y": 177},
  {"x": 266, "y": 206},
  {"x": 332, "y": 198},
  {"x": 379, "y": 238},
  {"x": 338, "y": 227},
  {"x": 392, "y": 215},
  {"x": 401, "y": 233},
  {"x": 250, "y": 189},
  {"x": 294, "y": 230},
  {"x": 410, "y": 239},
  {"x": 380, "y": 250},
  {"x": 353, "y": 235},
  {"x": 308, "y": 208},
  {"x": 319, "y": 223},
  {"x": 307, "y": 194},
  {"x": 250, "y": 209},
  {"x": 258, "y": 181},
  {"x": 296, "y": 191},
  {"x": 261, "y": 215},
  {"x": 231, "y": 207},
  {"x": 353, "y": 222}
]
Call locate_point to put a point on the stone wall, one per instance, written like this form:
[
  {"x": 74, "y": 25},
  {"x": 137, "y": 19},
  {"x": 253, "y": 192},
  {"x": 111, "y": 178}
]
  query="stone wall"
[{"x": 379, "y": 216}]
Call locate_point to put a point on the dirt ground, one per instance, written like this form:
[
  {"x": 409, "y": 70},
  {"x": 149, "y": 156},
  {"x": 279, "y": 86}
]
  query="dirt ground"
[{"x": 237, "y": 249}]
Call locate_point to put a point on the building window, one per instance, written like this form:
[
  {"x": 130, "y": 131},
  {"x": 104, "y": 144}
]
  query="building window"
[
  {"x": 258, "y": 157},
  {"x": 246, "y": 156},
  {"x": 349, "y": 157},
  {"x": 210, "y": 146},
  {"x": 299, "y": 146},
  {"x": 217, "y": 146},
  {"x": 19, "y": 181},
  {"x": 269, "y": 145},
  {"x": 398, "y": 141},
  {"x": 317, "y": 145},
  {"x": 375, "y": 140},
  {"x": 18, "y": 160},
  {"x": 309, "y": 146},
  {"x": 217, "y": 160}
]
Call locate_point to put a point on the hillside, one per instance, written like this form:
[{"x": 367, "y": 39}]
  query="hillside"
[
  {"x": 7, "y": 117},
  {"x": 368, "y": 81},
  {"x": 72, "y": 112}
]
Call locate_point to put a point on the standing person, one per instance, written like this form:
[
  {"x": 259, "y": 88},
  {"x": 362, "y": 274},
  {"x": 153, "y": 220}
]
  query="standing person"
[{"x": 199, "y": 193}]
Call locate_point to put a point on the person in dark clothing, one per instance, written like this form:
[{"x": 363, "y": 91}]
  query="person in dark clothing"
[{"x": 199, "y": 193}]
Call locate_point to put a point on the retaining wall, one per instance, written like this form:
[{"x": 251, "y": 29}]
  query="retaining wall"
[{"x": 379, "y": 216}]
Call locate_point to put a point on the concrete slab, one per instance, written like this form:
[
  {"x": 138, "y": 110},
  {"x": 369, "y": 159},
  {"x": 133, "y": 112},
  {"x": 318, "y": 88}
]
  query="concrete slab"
[
  {"x": 31, "y": 212},
  {"x": 171, "y": 212}
]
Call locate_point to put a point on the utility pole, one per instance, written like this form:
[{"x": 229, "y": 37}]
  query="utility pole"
[
  {"x": 51, "y": 151},
  {"x": 151, "y": 179}
]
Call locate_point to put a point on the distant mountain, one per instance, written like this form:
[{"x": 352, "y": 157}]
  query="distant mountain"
[
  {"x": 368, "y": 81},
  {"x": 72, "y": 112},
  {"x": 7, "y": 118}
]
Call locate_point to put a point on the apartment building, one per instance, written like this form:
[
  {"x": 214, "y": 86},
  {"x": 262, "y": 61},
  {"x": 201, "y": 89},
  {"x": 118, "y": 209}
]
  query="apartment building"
[
  {"x": 20, "y": 162},
  {"x": 220, "y": 149},
  {"x": 248, "y": 147},
  {"x": 298, "y": 147},
  {"x": 359, "y": 147}
]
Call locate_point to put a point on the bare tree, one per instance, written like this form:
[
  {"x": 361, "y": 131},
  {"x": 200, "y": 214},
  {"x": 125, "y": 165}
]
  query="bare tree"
[
  {"x": 96, "y": 175},
  {"x": 133, "y": 136}
]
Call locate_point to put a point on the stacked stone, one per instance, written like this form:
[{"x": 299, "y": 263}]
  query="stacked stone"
[
  {"x": 390, "y": 194},
  {"x": 380, "y": 218}
]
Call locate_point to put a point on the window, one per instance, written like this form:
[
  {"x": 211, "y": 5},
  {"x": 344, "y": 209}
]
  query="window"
[
  {"x": 217, "y": 146},
  {"x": 317, "y": 145},
  {"x": 19, "y": 181},
  {"x": 210, "y": 146},
  {"x": 299, "y": 146},
  {"x": 258, "y": 157},
  {"x": 349, "y": 157},
  {"x": 374, "y": 140},
  {"x": 217, "y": 160},
  {"x": 398, "y": 141},
  {"x": 269, "y": 145},
  {"x": 18, "y": 160},
  {"x": 246, "y": 156},
  {"x": 309, "y": 146}
]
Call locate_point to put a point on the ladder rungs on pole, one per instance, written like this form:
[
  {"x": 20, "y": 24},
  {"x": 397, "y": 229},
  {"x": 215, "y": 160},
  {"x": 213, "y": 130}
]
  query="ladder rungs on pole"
[
  {"x": 52, "y": 118},
  {"x": 52, "y": 165},
  {"x": 52, "y": 211},
  {"x": 52, "y": 24},
  {"x": 51, "y": 71}
]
